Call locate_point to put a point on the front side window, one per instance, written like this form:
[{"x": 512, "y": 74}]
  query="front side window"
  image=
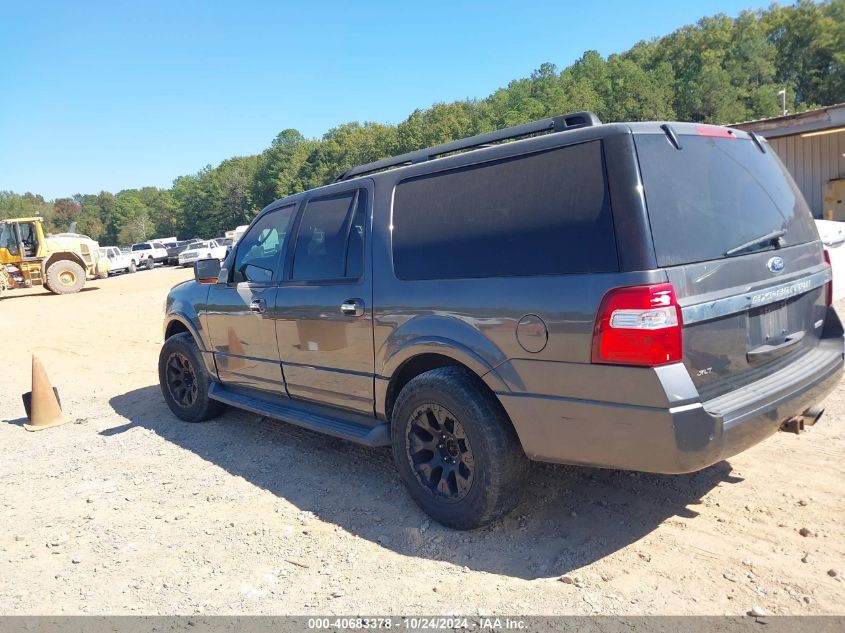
[
  {"x": 330, "y": 241},
  {"x": 261, "y": 249}
]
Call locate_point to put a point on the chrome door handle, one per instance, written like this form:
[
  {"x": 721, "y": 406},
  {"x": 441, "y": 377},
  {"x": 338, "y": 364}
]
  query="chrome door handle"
[
  {"x": 352, "y": 307},
  {"x": 258, "y": 305}
]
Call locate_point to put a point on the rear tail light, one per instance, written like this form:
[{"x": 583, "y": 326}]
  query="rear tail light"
[
  {"x": 638, "y": 325},
  {"x": 829, "y": 287}
]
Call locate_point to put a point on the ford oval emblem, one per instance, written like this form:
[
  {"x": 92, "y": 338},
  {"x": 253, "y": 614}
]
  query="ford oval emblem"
[{"x": 775, "y": 264}]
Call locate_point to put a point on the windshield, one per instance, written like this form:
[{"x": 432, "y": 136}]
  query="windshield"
[{"x": 717, "y": 194}]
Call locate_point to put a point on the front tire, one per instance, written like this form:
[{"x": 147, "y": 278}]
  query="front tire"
[
  {"x": 65, "y": 277},
  {"x": 184, "y": 380},
  {"x": 456, "y": 450}
]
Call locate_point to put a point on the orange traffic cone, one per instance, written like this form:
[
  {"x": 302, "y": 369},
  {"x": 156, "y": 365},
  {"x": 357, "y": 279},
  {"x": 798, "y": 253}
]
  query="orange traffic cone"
[{"x": 42, "y": 403}]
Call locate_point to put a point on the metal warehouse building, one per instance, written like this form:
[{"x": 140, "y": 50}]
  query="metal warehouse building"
[{"x": 812, "y": 146}]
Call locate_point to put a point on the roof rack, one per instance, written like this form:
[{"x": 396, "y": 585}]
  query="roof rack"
[{"x": 554, "y": 124}]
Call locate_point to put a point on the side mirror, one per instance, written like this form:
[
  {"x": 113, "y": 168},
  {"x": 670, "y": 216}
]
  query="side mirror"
[{"x": 207, "y": 270}]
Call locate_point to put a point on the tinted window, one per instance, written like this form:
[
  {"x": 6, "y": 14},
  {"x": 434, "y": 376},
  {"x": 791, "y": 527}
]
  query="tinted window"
[
  {"x": 716, "y": 194},
  {"x": 545, "y": 213},
  {"x": 141, "y": 247},
  {"x": 261, "y": 248},
  {"x": 323, "y": 239}
]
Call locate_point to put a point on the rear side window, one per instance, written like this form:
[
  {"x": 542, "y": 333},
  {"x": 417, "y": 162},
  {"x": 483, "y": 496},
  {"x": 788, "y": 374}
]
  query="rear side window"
[
  {"x": 330, "y": 241},
  {"x": 716, "y": 194},
  {"x": 540, "y": 214}
]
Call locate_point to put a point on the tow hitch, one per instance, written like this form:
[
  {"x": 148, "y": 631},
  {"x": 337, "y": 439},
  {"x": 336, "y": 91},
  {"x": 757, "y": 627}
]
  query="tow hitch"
[{"x": 797, "y": 423}]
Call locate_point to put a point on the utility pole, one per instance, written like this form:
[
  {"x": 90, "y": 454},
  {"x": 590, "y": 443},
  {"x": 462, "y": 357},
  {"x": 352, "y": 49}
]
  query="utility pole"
[{"x": 782, "y": 94}]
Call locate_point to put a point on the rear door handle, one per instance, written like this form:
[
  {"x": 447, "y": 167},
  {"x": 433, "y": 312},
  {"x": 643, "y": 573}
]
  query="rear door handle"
[
  {"x": 767, "y": 352},
  {"x": 258, "y": 305},
  {"x": 352, "y": 307}
]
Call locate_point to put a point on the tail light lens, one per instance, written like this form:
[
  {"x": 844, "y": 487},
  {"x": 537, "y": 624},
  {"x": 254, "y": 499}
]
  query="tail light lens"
[
  {"x": 638, "y": 325},
  {"x": 829, "y": 287}
]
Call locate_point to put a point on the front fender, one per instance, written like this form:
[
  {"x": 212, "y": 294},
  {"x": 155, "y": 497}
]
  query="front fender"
[{"x": 184, "y": 305}]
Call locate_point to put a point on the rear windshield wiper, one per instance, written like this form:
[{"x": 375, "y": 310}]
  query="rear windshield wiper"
[{"x": 773, "y": 237}]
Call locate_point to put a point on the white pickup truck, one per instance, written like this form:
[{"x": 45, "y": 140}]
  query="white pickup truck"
[
  {"x": 148, "y": 254},
  {"x": 118, "y": 260},
  {"x": 202, "y": 250}
]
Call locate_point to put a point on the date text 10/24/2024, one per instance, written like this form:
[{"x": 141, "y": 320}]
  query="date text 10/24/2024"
[{"x": 418, "y": 623}]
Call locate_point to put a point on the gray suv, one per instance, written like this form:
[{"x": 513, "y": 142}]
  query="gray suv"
[{"x": 641, "y": 296}]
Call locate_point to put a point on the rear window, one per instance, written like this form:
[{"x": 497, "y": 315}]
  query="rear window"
[
  {"x": 538, "y": 214},
  {"x": 141, "y": 247},
  {"x": 716, "y": 194}
]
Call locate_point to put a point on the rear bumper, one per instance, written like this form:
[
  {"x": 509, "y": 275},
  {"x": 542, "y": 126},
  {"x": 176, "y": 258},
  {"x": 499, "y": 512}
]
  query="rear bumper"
[{"x": 677, "y": 439}]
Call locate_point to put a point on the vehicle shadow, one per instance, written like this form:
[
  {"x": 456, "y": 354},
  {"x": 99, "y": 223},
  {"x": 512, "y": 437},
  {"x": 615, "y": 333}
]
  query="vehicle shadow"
[{"x": 569, "y": 518}]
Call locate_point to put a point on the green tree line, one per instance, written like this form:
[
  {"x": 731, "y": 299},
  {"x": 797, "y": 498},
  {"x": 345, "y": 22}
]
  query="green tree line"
[{"x": 719, "y": 70}]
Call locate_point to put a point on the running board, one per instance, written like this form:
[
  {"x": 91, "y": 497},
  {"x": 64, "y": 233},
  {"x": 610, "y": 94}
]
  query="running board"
[{"x": 308, "y": 416}]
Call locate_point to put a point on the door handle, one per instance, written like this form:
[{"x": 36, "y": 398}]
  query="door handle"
[
  {"x": 258, "y": 305},
  {"x": 352, "y": 307},
  {"x": 767, "y": 352}
]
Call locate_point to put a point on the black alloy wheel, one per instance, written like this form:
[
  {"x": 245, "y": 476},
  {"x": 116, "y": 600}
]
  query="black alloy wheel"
[
  {"x": 440, "y": 453},
  {"x": 181, "y": 380}
]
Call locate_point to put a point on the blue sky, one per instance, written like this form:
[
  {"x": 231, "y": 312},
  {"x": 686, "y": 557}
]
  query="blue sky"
[{"x": 116, "y": 95}]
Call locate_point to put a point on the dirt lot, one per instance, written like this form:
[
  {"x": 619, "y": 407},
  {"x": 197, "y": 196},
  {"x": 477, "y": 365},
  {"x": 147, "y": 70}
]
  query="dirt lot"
[{"x": 128, "y": 510}]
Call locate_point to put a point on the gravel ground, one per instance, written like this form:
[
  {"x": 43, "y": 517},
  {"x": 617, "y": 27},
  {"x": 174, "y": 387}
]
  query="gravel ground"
[{"x": 126, "y": 510}]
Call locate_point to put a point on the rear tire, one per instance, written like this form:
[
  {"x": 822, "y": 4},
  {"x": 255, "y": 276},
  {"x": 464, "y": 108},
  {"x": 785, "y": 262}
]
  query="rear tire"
[
  {"x": 184, "y": 380},
  {"x": 456, "y": 450},
  {"x": 132, "y": 267},
  {"x": 149, "y": 263},
  {"x": 65, "y": 277}
]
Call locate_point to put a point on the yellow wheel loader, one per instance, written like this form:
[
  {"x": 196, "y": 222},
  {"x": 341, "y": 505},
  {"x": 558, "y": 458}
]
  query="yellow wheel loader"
[{"x": 60, "y": 262}]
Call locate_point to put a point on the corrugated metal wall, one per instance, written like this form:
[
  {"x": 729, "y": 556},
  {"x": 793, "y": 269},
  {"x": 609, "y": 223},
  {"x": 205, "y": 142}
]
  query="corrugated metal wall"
[{"x": 812, "y": 161}]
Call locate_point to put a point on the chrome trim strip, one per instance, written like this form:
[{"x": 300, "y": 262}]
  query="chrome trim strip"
[{"x": 753, "y": 299}]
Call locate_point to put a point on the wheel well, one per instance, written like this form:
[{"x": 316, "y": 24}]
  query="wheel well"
[
  {"x": 174, "y": 328},
  {"x": 65, "y": 257},
  {"x": 412, "y": 368}
]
